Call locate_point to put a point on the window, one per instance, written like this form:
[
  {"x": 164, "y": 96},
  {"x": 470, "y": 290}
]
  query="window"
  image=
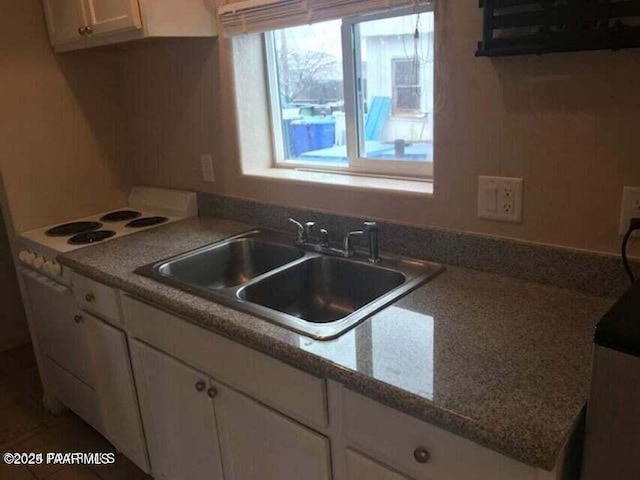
[
  {"x": 407, "y": 89},
  {"x": 354, "y": 95}
]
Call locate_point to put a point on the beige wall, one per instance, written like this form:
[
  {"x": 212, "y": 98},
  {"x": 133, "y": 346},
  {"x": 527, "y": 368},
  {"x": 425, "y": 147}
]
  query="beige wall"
[
  {"x": 13, "y": 327},
  {"x": 60, "y": 124},
  {"x": 566, "y": 123},
  {"x": 60, "y": 133}
]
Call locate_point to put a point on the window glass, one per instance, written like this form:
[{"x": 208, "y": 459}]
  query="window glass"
[
  {"x": 394, "y": 69},
  {"x": 311, "y": 93}
]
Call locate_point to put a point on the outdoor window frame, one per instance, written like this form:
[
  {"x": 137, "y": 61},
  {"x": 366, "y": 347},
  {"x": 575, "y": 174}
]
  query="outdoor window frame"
[
  {"x": 357, "y": 162},
  {"x": 415, "y": 84}
]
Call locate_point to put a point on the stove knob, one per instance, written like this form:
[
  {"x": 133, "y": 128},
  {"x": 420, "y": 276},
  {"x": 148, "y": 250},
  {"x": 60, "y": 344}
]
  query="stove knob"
[
  {"x": 47, "y": 267},
  {"x": 56, "y": 269},
  {"x": 38, "y": 262},
  {"x": 22, "y": 256},
  {"x": 29, "y": 258}
]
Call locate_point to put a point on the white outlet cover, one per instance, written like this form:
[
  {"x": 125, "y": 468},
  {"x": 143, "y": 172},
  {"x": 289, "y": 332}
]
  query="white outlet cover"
[
  {"x": 630, "y": 207},
  {"x": 206, "y": 162},
  {"x": 500, "y": 198}
]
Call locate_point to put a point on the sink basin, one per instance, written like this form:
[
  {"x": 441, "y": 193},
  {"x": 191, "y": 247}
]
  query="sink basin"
[
  {"x": 262, "y": 273},
  {"x": 229, "y": 264},
  {"x": 322, "y": 289}
]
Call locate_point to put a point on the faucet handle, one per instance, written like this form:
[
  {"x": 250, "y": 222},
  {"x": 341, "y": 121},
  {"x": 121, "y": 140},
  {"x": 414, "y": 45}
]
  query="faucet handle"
[
  {"x": 370, "y": 225},
  {"x": 309, "y": 228},
  {"x": 324, "y": 237},
  {"x": 301, "y": 230}
]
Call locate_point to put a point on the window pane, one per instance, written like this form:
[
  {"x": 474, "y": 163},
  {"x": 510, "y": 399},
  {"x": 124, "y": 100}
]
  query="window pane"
[
  {"x": 310, "y": 87},
  {"x": 395, "y": 73}
]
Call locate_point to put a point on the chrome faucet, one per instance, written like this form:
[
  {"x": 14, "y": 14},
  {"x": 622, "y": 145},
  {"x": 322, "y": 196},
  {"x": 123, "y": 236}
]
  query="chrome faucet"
[{"x": 310, "y": 238}]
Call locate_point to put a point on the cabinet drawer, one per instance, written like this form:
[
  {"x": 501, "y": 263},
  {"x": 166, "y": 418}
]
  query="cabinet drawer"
[
  {"x": 97, "y": 298},
  {"x": 291, "y": 391},
  {"x": 361, "y": 467},
  {"x": 396, "y": 439}
]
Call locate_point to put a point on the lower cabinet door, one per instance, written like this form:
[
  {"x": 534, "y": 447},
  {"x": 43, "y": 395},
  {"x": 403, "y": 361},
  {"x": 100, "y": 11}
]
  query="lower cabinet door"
[
  {"x": 258, "y": 443},
  {"x": 360, "y": 467},
  {"x": 117, "y": 399},
  {"x": 178, "y": 417}
]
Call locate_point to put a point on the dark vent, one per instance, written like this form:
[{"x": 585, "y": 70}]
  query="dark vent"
[{"x": 518, "y": 27}]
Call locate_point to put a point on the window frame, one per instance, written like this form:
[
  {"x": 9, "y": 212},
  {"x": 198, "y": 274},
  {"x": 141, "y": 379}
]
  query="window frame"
[{"x": 357, "y": 163}]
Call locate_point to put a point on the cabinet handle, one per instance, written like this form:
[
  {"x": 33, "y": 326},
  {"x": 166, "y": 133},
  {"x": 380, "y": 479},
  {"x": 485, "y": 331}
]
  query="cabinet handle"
[
  {"x": 90, "y": 297},
  {"x": 212, "y": 392},
  {"x": 82, "y": 30},
  {"x": 77, "y": 319},
  {"x": 421, "y": 455},
  {"x": 200, "y": 386},
  {"x": 88, "y": 29}
]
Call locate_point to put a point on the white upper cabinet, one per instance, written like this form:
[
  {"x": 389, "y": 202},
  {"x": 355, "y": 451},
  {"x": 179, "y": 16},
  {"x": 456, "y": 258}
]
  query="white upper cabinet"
[
  {"x": 65, "y": 20},
  {"x": 110, "y": 16},
  {"x": 77, "y": 24}
]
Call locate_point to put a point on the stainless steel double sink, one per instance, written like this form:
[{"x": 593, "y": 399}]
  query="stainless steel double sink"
[{"x": 263, "y": 273}]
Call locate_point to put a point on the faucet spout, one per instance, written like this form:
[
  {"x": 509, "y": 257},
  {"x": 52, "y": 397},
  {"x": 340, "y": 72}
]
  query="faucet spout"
[
  {"x": 302, "y": 232},
  {"x": 348, "y": 242}
]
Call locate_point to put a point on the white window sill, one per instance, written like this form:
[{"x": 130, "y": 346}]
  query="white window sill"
[{"x": 344, "y": 180}]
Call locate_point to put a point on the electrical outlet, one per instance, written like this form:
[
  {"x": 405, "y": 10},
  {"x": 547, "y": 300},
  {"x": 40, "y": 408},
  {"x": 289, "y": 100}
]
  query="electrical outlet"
[
  {"x": 500, "y": 198},
  {"x": 630, "y": 207},
  {"x": 206, "y": 161}
]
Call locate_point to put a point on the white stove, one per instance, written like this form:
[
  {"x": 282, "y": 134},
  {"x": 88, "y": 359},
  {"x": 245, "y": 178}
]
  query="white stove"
[{"x": 147, "y": 208}]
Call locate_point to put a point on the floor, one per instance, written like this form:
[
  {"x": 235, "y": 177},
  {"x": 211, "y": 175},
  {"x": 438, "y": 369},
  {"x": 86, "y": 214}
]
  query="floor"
[{"x": 25, "y": 426}]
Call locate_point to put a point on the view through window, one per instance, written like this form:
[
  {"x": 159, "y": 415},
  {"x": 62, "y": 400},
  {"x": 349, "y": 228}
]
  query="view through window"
[{"x": 355, "y": 94}]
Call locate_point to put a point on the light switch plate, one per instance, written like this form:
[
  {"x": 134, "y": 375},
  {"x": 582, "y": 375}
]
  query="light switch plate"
[
  {"x": 500, "y": 198},
  {"x": 206, "y": 162},
  {"x": 630, "y": 207}
]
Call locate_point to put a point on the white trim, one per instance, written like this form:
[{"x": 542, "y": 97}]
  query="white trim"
[
  {"x": 275, "y": 107},
  {"x": 345, "y": 180}
]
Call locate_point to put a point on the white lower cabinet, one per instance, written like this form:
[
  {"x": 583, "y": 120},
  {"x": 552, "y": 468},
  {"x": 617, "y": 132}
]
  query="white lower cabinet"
[
  {"x": 360, "y": 467},
  {"x": 259, "y": 443},
  {"x": 198, "y": 428},
  {"x": 118, "y": 403},
  {"x": 180, "y": 424}
]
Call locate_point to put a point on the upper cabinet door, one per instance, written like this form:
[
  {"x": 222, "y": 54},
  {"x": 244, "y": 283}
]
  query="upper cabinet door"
[
  {"x": 65, "y": 19},
  {"x": 178, "y": 417},
  {"x": 260, "y": 444},
  {"x": 113, "y": 16}
]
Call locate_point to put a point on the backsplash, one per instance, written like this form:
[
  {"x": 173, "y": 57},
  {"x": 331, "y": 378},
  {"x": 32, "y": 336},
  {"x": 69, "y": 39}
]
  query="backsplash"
[{"x": 593, "y": 273}]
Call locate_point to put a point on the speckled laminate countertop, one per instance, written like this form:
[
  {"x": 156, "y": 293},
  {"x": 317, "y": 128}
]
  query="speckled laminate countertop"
[{"x": 499, "y": 361}]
